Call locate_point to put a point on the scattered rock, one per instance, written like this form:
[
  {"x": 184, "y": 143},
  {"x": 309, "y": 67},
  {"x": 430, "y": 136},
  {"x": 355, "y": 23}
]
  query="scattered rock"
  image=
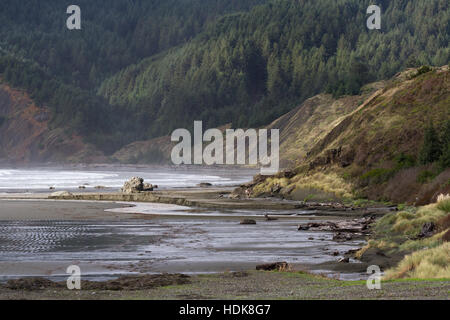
[
  {"x": 248, "y": 221},
  {"x": 349, "y": 226},
  {"x": 81, "y": 187},
  {"x": 276, "y": 188},
  {"x": 335, "y": 253},
  {"x": 352, "y": 251},
  {"x": 269, "y": 218},
  {"x": 340, "y": 236},
  {"x": 205, "y": 185},
  {"x": 287, "y": 174},
  {"x": 273, "y": 266},
  {"x": 100, "y": 187},
  {"x": 148, "y": 187},
  {"x": 344, "y": 260},
  {"x": 427, "y": 231},
  {"x": 51, "y": 188}
]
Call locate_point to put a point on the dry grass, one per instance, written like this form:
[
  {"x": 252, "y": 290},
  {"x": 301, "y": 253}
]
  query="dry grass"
[
  {"x": 424, "y": 264},
  {"x": 409, "y": 223},
  {"x": 443, "y": 197},
  {"x": 268, "y": 184},
  {"x": 444, "y": 205},
  {"x": 397, "y": 232},
  {"x": 327, "y": 182}
]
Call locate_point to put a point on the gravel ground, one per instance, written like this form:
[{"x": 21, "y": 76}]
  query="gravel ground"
[{"x": 255, "y": 285}]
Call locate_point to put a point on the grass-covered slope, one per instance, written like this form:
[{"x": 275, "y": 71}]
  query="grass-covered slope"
[
  {"x": 421, "y": 235},
  {"x": 372, "y": 146}
]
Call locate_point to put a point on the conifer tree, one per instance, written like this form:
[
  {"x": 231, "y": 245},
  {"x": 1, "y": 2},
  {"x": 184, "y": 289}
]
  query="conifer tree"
[{"x": 431, "y": 148}]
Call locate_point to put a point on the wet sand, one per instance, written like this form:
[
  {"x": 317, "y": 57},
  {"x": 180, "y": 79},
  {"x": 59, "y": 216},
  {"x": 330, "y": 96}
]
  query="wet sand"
[
  {"x": 41, "y": 238},
  {"x": 60, "y": 210}
]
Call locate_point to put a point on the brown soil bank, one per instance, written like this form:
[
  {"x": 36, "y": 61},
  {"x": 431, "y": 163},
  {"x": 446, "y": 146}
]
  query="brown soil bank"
[
  {"x": 27, "y": 137},
  {"x": 242, "y": 285}
]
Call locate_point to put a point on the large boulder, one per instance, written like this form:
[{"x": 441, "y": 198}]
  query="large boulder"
[{"x": 134, "y": 185}]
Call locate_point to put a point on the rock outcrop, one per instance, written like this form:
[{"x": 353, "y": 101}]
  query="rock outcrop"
[{"x": 136, "y": 185}]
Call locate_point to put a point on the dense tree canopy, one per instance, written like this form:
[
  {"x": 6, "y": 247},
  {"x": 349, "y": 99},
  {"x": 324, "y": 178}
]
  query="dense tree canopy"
[{"x": 139, "y": 69}]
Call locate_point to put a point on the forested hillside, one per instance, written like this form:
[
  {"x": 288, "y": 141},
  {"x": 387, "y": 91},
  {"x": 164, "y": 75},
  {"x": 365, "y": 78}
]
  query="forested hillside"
[{"x": 139, "y": 69}]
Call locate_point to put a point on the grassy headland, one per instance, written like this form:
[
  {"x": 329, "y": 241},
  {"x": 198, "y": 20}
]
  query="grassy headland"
[{"x": 391, "y": 144}]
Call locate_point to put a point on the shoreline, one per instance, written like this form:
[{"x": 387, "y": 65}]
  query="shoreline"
[{"x": 217, "y": 198}]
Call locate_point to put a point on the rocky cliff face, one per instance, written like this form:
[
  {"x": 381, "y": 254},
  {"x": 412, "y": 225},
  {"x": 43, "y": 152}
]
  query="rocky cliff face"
[{"x": 26, "y": 137}]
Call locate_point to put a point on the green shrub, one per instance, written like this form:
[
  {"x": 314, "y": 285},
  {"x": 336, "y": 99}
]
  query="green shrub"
[
  {"x": 444, "y": 160},
  {"x": 377, "y": 176},
  {"x": 404, "y": 161},
  {"x": 425, "y": 176},
  {"x": 431, "y": 148},
  {"x": 422, "y": 70},
  {"x": 444, "y": 205}
]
